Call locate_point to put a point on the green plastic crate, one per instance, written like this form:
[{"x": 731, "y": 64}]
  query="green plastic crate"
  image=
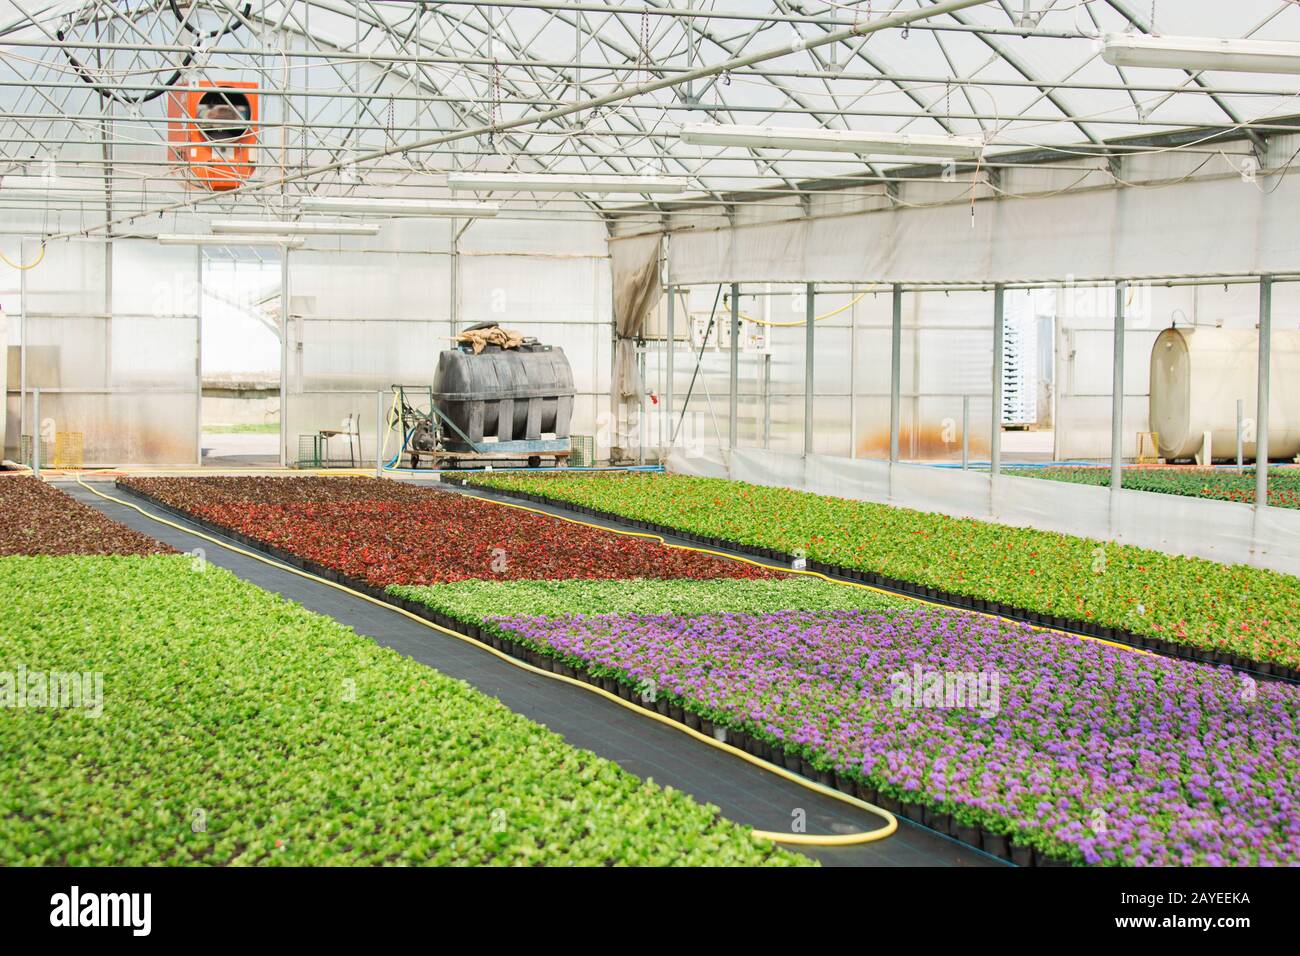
[{"x": 584, "y": 451}]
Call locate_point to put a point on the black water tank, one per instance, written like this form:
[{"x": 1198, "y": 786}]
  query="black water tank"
[{"x": 510, "y": 394}]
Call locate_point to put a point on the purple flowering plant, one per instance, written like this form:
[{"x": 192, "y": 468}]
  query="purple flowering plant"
[{"x": 1085, "y": 751}]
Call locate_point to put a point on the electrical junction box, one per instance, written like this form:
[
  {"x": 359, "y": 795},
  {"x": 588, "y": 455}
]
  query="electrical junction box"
[
  {"x": 754, "y": 338},
  {"x": 701, "y": 336}
]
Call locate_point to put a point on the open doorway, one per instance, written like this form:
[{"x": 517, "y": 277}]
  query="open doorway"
[
  {"x": 1028, "y": 373},
  {"x": 240, "y": 358}
]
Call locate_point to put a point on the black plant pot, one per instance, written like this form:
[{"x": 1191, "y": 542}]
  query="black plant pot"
[
  {"x": 996, "y": 844},
  {"x": 1022, "y": 855},
  {"x": 889, "y": 803},
  {"x": 968, "y": 835},
  {"x": 845, "y": 784},
  {"x": 793, "y": 762},
  {"x": 692, "y": 720},
  {"x": 942, "y": 822},
  {"x": 675, "y": 712},
  {"x": 914, "y": 812},
  {"x": 866, "y": 793}
]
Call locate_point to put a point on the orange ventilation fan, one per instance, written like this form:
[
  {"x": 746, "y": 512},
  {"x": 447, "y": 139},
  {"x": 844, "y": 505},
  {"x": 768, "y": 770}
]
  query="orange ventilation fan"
[{"x": 212, "y": 129}]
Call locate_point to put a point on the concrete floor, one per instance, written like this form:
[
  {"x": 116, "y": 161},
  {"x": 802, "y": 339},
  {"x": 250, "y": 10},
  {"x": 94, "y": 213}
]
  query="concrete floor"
[{"x": 234, "y": 450}]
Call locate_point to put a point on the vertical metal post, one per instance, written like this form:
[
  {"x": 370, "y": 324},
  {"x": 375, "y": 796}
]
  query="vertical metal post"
[
  {"x": 1241, "y": 425},
  {"x": 810, "y": 326},
  {"x": 1262, "y": 393},
  {"x": 767, "y": 399},
  {"x": 640, "y": 406},
  {"x": 1117, "y": 393},
  {"x": 22, "y": 350},
  {"x": 453, "y": 268},
  {"x": 284, "y": 355},
  {"x": 668, "y": 373},
  {"x": 999, "y": 334},
  {"x": 379, "y": 434},
  {"x": 198, "y": 359},
  {"x": 965, "y": 432},
  {"x": 853, "y": 379},
  {"x": 36, "y": 432},
  {"x": 895, "y": 372},
  {"x": 732, "y": 398}
]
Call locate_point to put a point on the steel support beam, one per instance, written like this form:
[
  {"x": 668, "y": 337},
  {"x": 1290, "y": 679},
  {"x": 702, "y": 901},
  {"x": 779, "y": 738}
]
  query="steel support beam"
[
  {"x": 895, "y": 372},
  {"x": 1262, "y": 395},
  {"x": 999, "y": 339},
  {"x": 734, "y": 371},
  {"x": 1117, "y": 394},
  {"x": 669, "y": 359},
  {"x": 810, "y": 328}
]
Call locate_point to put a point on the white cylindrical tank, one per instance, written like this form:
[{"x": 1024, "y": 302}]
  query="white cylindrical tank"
[{"x": 1197, "y": 375}]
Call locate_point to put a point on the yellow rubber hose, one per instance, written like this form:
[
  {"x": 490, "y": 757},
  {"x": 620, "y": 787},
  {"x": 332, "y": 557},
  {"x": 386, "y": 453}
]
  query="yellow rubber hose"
[
  {"x": 19, "y": 266},
  {"x": 793, "y": 839}
]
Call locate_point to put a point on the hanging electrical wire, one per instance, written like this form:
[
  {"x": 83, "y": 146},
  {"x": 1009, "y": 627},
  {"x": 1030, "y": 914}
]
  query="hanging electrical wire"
[{"x": 200, "y": 37}]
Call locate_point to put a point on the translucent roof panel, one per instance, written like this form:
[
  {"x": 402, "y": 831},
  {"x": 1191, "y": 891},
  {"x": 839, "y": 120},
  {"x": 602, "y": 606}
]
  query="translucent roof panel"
[{"x": 385, "y": 97}]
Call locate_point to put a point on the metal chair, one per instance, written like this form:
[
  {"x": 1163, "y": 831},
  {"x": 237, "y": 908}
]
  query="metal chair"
[{"x": 352, "y": 429}]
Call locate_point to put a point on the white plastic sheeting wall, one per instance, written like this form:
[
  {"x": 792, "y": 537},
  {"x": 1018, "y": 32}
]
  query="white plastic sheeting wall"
[
  {"x": 947, "y": 354},
  {"x": 947, "y": 340},
  {"x": 111, "y": 338},
  {"x": 549, "y": 280},
  {"x": 1228, "y": 532},
  {"x": 1087, "y": 233},
  {"x": 367, "y": 314},
  {"x": 1085, "y": 332}
]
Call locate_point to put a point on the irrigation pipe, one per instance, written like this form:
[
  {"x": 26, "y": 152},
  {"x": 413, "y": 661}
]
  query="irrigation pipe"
[
  {"x": 20, "y": 266},
  {"x": 791, "y": 839},
  {"x": 802, "y": 322}
]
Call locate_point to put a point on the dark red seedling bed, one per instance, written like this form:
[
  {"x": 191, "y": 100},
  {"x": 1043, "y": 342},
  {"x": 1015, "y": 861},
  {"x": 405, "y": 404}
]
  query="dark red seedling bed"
[
  {"x": 384, "y": 533},
  {"x": 36, "y": 518}
]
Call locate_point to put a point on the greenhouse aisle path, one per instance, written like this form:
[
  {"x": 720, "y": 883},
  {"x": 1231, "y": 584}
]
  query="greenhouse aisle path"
[{"x": 643, "y": 747}]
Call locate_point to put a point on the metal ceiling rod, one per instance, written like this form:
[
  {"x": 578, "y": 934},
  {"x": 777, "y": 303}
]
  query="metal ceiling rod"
[{"x": 796, "y": 46}]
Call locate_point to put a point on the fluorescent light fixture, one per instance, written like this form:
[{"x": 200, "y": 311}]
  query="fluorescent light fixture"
[
  {"x": 263, "y": 227},
  {"x": 397, "y": 207},
  {"x": 833, "y": 140},
  {"x": 203, "y": 239},
  {"x": 55, "y": 187},
  {"x": 556, "y": 182},
  {"x": 1202, "y": 53}
]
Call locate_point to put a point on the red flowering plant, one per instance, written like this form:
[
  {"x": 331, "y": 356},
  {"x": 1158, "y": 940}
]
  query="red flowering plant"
[{"x": 386, "y": 533}]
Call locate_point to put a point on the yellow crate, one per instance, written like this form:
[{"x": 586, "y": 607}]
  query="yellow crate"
[{"x": 69, "y": 450}]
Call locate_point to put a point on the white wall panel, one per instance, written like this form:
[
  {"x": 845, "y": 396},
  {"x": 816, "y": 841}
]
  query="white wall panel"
[{"x": 1178, "y": 230}]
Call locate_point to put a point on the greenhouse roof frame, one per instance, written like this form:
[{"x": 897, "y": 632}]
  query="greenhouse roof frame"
[{"x": 356, "y": 92}]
